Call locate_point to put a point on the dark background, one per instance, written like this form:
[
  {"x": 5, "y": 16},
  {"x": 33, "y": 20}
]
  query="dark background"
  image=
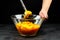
[{"x": 11, "y": 7}]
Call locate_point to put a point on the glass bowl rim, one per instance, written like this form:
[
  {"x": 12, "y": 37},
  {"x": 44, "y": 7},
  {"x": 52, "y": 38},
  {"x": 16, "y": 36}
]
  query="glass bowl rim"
[{"x": 12, "y": 16}]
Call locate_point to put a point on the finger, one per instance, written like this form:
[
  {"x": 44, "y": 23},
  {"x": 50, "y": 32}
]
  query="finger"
[
  {"x": 46, "y": 16},
  {"x": 41, "y": 15}
]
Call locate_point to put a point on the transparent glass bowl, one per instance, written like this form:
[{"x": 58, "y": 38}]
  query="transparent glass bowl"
[{"x": 27, "y": 27}]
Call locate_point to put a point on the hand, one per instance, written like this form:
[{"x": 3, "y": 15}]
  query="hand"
[{"x": 43, "y": 14}]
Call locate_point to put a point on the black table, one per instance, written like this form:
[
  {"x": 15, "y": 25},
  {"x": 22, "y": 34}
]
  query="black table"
[{"x": 47, "y": 32}]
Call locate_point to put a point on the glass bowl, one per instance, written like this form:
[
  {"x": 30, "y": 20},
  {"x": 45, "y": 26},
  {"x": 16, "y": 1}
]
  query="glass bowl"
[{"x": 27, "y": 27}]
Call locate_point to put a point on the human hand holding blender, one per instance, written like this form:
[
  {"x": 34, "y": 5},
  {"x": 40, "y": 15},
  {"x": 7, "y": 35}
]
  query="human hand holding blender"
[{"x": 43, "y": 12}]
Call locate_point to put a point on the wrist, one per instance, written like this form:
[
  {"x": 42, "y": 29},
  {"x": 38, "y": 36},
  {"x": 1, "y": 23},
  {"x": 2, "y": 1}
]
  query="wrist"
[{"x": 44, "y": 9}]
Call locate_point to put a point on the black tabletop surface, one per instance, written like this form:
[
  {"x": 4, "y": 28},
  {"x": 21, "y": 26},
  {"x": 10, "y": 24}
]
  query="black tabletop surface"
[{"x": 47, "y": 32}]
